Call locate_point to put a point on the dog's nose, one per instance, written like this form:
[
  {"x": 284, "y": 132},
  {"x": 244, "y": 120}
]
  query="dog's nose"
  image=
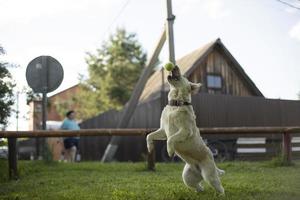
[{"x": 175, "y": 72}]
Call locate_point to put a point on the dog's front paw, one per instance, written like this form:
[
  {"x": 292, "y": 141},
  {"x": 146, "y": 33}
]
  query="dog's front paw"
[
  {"x": 170, "y": 150},
  {"x": 150, "y": 146}
]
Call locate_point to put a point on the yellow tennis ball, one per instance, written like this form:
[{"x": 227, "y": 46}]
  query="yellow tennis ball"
[{"x": 169, "y": 66}]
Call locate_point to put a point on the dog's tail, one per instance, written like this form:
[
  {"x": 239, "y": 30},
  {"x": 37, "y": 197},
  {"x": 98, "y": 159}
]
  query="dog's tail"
[{"x": 220, "y": 172}]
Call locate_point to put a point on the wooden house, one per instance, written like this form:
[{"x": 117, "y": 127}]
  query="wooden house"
[{"x": 213, "y": 66}]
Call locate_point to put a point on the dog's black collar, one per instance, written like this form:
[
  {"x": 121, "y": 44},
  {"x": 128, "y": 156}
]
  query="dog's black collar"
[{"x": 178, "y": 103}]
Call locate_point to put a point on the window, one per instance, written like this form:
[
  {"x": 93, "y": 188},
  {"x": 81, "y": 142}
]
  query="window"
[{"x": 214, "y": 81}]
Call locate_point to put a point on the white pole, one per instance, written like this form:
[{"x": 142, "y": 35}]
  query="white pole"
[{"x": 170, "y": 33}]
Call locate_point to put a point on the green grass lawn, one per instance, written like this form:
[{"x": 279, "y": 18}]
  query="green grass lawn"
[{"x": 94, "y": 180}]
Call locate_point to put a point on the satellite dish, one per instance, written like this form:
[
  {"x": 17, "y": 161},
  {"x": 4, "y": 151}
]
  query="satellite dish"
[{"x": 44, "y": 74}]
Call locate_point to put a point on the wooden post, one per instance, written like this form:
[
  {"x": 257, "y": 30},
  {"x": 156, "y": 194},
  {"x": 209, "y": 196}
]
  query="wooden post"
[
  {"x": 287, "y": 147},
  {"x": 12, "y": 158},
  {"x": 151, "y": 160},
  {"x": 128, "y": 111}
]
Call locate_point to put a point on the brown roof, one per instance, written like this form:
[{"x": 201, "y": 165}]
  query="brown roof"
[{"x": 187, "y": 65}]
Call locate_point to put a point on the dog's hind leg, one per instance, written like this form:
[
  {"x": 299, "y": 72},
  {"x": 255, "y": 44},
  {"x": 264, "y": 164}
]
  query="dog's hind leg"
[
  {"x": 159, "y": 134},
  {"x": 219, "y": 171},
  {"x": 210, "y": 174},
  {"x": 192, "y": 177}
]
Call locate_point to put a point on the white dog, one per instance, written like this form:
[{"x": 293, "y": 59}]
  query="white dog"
[{"x": 178, "y": 127}]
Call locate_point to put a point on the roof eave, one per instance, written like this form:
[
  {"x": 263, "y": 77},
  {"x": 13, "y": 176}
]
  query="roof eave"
[{"x": 238, "y": 67}]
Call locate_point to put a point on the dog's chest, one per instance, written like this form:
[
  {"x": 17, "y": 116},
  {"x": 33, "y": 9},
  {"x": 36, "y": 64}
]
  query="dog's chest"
[{"x": 170, "y": 116}]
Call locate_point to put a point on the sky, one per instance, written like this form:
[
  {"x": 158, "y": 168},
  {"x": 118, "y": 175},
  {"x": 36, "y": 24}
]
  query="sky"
[{"x": 262, "y": 35}]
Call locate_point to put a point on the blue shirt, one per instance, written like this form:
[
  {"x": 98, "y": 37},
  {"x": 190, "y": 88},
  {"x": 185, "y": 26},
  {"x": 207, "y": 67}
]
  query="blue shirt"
[{"x": 69, "y": 124}]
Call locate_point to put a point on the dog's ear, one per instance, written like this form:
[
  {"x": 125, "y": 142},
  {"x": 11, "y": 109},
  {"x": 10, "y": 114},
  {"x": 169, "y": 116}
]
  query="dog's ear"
[{"x": 195, "y": 87}]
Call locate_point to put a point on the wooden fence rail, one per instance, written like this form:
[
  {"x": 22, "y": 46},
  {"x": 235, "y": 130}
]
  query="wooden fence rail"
[{"x": 12, "y": 135}]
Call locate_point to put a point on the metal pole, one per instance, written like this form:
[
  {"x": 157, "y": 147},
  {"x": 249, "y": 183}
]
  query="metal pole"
[
  {"x": 44, "y": 111},
  {"x": 162, "y": 92},
  {"x": 112, "y": 147},
  {"x": 45, "y": 89},
  {"x": 170, "y": 33},
  {"x": 42, "y": 142}
]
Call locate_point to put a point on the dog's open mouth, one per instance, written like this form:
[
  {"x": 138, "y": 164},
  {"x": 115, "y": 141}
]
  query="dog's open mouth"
[{"x": 175, "y": 74}]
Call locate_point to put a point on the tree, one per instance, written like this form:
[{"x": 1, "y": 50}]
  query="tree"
[
  {"x": 6, "y": 91},
  {"x": 113, "y": 72},
  {"x": 31, "y": 96}
]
